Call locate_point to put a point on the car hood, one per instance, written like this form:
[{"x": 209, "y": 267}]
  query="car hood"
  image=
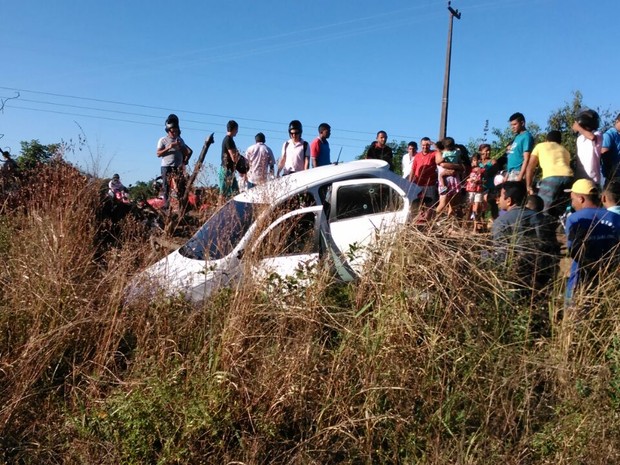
[{"x": 179, "y": 275}]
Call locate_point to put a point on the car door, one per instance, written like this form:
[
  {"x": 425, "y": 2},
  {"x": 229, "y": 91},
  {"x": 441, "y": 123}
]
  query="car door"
[
  {"x": 361, "y": 211},
  {"x": 289, "y": 244}
]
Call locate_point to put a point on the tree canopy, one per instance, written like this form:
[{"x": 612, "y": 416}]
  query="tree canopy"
[{"x": 33, "y": 152}]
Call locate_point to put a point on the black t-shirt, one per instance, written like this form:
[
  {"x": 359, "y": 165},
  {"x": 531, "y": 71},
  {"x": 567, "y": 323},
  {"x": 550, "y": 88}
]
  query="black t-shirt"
[
  {"x": 383, "y": 153},
  {"x": 228, "y": 143}
]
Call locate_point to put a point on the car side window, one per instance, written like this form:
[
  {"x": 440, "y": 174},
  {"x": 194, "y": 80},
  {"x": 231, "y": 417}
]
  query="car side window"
[
  {"x": 295, "y": 235},
  {"x": 295, "y": 202},
  {"x": 366, "y": 199}
]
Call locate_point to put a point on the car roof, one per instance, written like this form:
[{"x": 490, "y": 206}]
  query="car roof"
[{"x": 285, "y": 186}]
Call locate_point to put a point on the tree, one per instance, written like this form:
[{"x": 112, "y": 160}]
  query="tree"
[
  {"x": 142, "y": 190},
  {"x": 399, "y": 150},
  {"x": 502, "y": 139},
  {"x": 33, "y": 152},
  {"x": 563, "y": 118}
]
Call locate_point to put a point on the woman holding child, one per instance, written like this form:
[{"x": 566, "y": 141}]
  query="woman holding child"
[{"x": 449, "y": 169}]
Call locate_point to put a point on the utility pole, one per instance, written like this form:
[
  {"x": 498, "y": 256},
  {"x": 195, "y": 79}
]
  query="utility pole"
[{"x": 443, "y": 124}]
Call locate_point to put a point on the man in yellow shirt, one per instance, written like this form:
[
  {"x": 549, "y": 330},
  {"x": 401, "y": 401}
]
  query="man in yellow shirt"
[{"x": 557, "y": 174}]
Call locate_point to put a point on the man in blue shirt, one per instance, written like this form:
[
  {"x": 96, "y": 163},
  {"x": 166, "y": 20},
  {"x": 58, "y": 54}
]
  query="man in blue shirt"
[
  {"x": 519, "y": 149},
  {"x": 610, "y": 152},
  {"x": 592, "y": 236}
]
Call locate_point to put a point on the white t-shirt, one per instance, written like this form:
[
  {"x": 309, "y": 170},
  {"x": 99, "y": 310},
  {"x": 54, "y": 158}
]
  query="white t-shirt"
[
  {"x": 295, "y": 155},
  {"x": 407, "y": 164},
  {"x": 589, "y": 154}
]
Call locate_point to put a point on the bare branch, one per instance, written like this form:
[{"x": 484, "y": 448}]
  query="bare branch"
[{"x": 4, "y": 100}]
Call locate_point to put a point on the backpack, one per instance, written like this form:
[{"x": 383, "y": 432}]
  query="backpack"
[{"x": 242, "y": 165}]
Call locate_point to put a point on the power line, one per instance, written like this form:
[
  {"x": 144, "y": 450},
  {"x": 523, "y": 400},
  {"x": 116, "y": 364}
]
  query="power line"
[
  {"x": 169, "y": 110},
  {"x": 158, "y": 117},
  {"x": 145, "y": 123}
]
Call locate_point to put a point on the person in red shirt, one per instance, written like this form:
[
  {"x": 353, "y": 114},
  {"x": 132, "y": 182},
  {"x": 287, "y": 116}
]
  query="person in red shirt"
[
  {"x": 475, "y": 193},
  {"x": 424, "y": 174}
]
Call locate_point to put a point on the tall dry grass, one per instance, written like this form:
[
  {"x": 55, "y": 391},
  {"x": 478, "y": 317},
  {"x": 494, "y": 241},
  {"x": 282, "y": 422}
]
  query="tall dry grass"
[{"x": 433, "y": 356}]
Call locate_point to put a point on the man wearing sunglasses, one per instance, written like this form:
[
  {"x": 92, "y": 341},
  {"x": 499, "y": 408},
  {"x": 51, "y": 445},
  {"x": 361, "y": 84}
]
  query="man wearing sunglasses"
[{"x": 295, "y": 151}]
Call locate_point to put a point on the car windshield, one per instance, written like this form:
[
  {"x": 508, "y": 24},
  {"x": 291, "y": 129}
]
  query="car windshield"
[{"x": 221, "y": 233}]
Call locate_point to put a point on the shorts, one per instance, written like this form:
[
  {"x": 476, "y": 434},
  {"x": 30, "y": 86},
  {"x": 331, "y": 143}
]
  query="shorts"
[
  {"x": 475, "y": 197},
  {"x": 452, "y": 186},
  {"x": 227, "y": 182},
  {"x": 512, "y": 175},
  {"x": 551, "y": 191}
]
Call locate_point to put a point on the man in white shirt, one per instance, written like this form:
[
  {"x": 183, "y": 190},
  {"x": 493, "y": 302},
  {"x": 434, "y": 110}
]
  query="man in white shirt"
[
  {"x": 412, "y": 149},
  {"x": 261, "y": 161}
]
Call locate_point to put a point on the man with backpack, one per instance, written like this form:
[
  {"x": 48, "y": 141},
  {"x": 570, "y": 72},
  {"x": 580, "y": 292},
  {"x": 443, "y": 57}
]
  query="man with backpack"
[{"x": 295, "y": 151}]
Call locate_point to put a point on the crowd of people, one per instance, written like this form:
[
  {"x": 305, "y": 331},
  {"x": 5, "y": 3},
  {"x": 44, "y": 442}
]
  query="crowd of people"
[
  {"x": 524, "y": 194},
  {"x": 525, "y": 214},
  {"x": 523, "y": 207}
]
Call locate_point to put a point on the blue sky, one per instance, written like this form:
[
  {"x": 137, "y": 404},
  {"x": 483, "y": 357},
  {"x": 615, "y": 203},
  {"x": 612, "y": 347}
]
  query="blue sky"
[{"x": 110, "y": 72}]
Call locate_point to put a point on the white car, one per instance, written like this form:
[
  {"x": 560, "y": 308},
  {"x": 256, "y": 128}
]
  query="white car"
[{"x": 285, "y": 224}]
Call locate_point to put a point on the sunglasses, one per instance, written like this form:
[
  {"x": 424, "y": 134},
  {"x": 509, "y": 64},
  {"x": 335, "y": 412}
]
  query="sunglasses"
[{"x": 294, "y": 133}]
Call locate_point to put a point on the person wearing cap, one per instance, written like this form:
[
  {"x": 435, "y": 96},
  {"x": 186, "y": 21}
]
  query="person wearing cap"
[
  {"x": 592, "y": 236},
  {"x": 115, "y": 186},
  {"x": 173, "y": 153},
  {"x": 319, "y": 147},
  {"x": 295, "y": 151},
  {"x": 261, "y": 161}
]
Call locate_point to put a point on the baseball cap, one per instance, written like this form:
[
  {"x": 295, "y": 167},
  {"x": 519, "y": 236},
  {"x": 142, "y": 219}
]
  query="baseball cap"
[{"x": 583, "y": 187}]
